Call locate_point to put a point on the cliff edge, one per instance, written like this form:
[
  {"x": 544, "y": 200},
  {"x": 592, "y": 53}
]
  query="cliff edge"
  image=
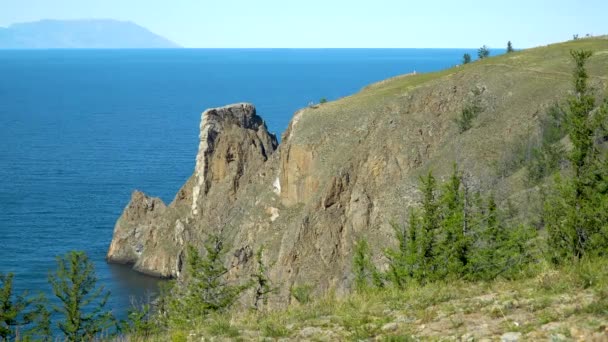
[{"x": 346, "y": 169}]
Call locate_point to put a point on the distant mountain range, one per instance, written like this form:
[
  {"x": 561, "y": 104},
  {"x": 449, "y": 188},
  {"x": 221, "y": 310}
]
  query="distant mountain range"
[{"x": 80, "y": 34}]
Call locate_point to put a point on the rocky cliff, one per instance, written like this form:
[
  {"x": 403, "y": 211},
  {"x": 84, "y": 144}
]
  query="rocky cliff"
[
  {"x": 345, "y": 170},
  {"x": 234, "y": 146}
]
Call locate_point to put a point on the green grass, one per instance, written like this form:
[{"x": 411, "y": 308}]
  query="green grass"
[
  {"x": 575, "y": 295},
  {"x": 221, "y": 326}
]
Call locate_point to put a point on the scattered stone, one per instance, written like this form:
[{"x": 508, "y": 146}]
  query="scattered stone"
[
  {"x": 404, "y": 319},
  {"x": 390, "y": 327},
  {"x": 468, "y": 337},
  {"x": 310, "y": 331},
  {"x": 599, "y": 337},
  {"x": 558, "y": 338},
  {"x": 510, "y": 337}
]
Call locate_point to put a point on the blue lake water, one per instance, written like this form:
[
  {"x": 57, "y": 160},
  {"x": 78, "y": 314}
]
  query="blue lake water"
[{"x": 81, "y": 129}]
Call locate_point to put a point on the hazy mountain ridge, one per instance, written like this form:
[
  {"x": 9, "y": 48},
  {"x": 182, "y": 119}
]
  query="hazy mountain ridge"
[{"x": 75, "y": 34}]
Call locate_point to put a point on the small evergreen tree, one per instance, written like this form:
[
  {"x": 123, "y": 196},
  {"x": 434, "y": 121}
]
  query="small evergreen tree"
[
  {"x": 13, "y": 308},
  {"x": 21, "y": 311},
  {"x": 41, "y": 320},
  {"x": 466, "y": 58},
  {"x": 575, "y": 213},
  {"x": 429, "y": 230},
  {"x": 483, "y": 52},
  {"x": 140, "y": 322},
  {"x": 82, "y": 302},
  {"x": 205, "y": 289},
  {"x": 455, "y": 244},
  {"x": 510, "y": 47},
  {"x": 366, "y": 274},
  {"x": 470, "y": 111},
  {"x": 162, "y": 303},
  {"x": 400, "y": 259},
  {"x": 456, "y": 236},
  {"x": 500, "y": 250},
  {"x": 263, "y": 286}
]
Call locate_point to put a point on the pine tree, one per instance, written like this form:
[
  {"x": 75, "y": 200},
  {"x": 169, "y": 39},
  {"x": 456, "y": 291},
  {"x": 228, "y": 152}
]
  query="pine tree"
[
  {"x": 82, "y": 302},
  {"x": 483, "y": 52},
  {"x": 471, "y": 110},
  {"x": 510, "y": 47},
  {"x": 263, "y": 285},
  {"x": 500, "y": 250},
  {"x": 455, "y": 244},
  {"x": 429, "y": 229},
  {"x": 575, "y": 213},
  {"x": 366, "y": 274},
  {"x": 401, "y": 260},
  {"x": 140, "y": 322},
  {"x": 205, "y": 289},
  {"x": 22, "y": 312},
  {"x": 457, "y": 236},
  {"x": 487, "y": 259},
  {"x": 40, "y": 318},
  {"x": 466, "y": 58},
  {"x": 13, "y": 308}
]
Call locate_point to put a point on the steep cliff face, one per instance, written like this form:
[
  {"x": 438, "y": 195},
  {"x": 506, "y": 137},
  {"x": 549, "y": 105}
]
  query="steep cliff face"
[
  {"x": 234, "y": 145},
  {"x": 345, "y": 170}
]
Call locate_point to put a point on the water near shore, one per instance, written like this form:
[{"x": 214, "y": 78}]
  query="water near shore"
[{"x": 80, "y": 129}]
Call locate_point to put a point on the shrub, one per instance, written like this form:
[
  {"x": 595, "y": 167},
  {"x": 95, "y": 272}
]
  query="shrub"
[{"x": 466, "y": 58}]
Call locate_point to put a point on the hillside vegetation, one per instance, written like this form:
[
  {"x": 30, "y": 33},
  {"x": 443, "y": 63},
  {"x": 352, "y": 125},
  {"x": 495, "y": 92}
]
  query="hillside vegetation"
[
  {"x": 466, "y": 204},
  {"x": 500, "y": 248},
  {"x": 555, "y": 304}
]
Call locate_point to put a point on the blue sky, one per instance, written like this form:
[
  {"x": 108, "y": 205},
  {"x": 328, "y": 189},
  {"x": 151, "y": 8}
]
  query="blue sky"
[{"x": 327, "y": 23}]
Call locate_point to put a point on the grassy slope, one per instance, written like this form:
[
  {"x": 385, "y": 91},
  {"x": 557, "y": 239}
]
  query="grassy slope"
[
  {"x": 518, "y": 85},
  {"x": 555, "y": 304},
  {"x": 563, "y": 303}
]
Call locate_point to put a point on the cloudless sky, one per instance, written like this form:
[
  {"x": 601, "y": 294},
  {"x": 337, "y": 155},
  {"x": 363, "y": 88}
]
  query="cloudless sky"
[{"x": 336, "y": 23}]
